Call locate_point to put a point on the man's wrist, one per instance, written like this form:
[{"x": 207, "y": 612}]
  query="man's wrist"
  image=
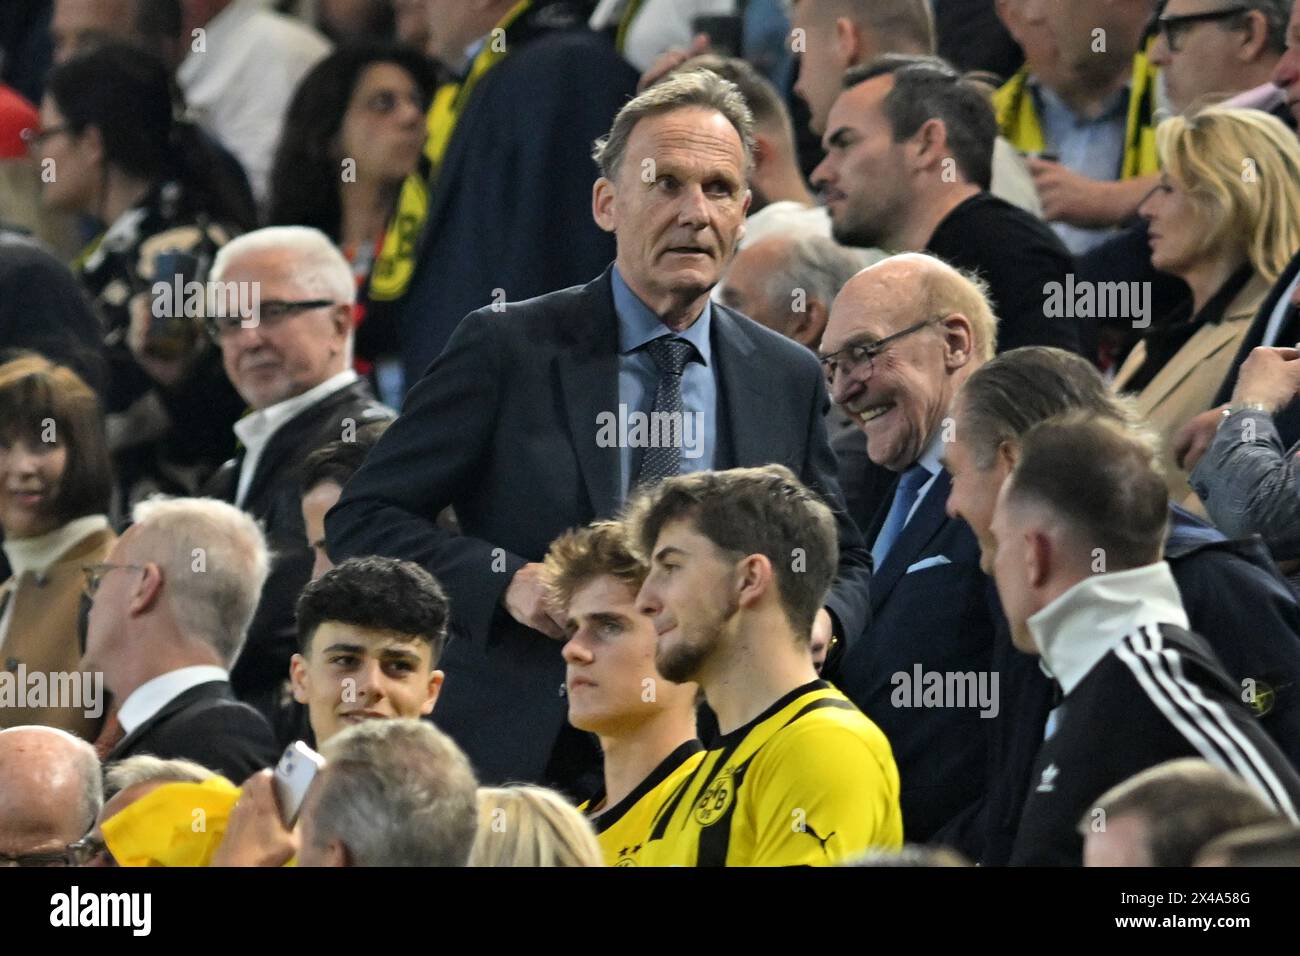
[{"x": 1233, "y": 408}]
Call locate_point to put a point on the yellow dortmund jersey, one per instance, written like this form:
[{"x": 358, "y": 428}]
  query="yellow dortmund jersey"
[
  {"x": 811, "y": 781},
  {"x": 623, "y": 829}
]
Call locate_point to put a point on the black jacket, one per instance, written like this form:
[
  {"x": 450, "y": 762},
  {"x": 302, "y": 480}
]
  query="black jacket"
[
  {"x": 207, "y": 725},
  {"x": 274, "y": 499},
  {"x": 1158, "y": 695},
  {"x": 1222, "y": 583},
  {"x": 931, "y": 607},
  {"x": 1019, "y": 256},
  {"x": 1288, "y": 419},
  {"x": 511, "y": 206},
  {"x": 504, "y": 428}
]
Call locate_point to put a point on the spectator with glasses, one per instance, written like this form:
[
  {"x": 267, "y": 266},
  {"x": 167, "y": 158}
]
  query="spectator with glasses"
[
  {"x": 1222, "y": 52},
  {"x": 169, "y": 610},
  {"x": 902, "y": 337},
  {"x": 51, "y": 795},
  {"x": 281, "y": 314},
  {"x": 55, "y": 484},
  {"x": 353, "y": 138},
  {"x": 284, "y": 328}
]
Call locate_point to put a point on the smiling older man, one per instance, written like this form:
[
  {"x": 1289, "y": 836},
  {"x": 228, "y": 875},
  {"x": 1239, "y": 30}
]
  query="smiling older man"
[
  {"x": 290, "y": 359},
  {"x": 542, "y": 415},
  {"x": 902, "y": 337}
]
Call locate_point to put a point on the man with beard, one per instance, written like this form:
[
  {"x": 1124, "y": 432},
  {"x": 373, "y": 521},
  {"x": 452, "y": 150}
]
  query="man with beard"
[{"x": 740, "y": 562}]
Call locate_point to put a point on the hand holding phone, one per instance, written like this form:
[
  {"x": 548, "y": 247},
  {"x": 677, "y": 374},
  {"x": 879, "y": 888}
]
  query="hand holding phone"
[{"x": 297, "y": 768}]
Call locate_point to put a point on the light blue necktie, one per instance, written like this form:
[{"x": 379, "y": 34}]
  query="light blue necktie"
[{"x": 904, "y": 497}]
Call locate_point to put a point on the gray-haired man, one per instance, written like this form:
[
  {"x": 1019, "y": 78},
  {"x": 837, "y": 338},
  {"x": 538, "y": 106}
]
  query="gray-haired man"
[{"x": 542, "y": 415}]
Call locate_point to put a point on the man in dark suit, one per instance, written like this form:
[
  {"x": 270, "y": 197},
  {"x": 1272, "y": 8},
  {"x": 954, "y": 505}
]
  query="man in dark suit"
[
  {"x": 292, "y": 363},
  {"x": 507, "y": 205},
  {"x": 902, "y": 337},
  {"x": 170, "y": 609},
  {"x": 542, "y": 415}
]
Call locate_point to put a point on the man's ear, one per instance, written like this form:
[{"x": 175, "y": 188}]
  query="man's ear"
[
  {"x": 1008, "y": 454},
  {"x": 298, "y": 678},
  {"x": 754, "y": 576},
  {"x": 602, "y": 204},
  {"x": 1038, "y": 558},
  {"x": 1256, "y": 38},
  {"x": 810, "y": 325},
  {"x": 959, "y": 341},
  {"x": 435, "y": 688},
  {"x": 929, "y": 146},
  {"x": 848, "y": 42},
  {"x": 147, "y": 591}
]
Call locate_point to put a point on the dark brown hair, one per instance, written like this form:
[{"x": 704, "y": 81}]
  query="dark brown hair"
[
  {"x": 1098, "y": 478},
  {"x": 746, "y": 511},
  {"x": 35, "y": 393}
]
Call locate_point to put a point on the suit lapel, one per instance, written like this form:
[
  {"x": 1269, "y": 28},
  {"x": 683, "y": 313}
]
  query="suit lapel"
[
  {"x": 928, "y": 520},
  {"x": 750, "y": 415},
  {"x": 173, "y": 706},
  {"x": 285, "y": 438},
  {"x": 588, "y": 375}
]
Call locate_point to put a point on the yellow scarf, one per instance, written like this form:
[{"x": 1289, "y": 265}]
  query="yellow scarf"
[
  {"x": 1018, "y": 119},
  {"x": 395, "y": 263}
]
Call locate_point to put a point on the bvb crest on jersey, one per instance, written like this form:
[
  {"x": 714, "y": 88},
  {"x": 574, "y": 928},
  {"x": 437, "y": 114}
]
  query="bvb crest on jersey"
[{"x": 716, "y": 798}]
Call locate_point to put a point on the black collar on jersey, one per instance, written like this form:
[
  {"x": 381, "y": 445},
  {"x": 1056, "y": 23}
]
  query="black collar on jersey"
[
  {"x": 737, "y": 735},
  {"x": 657, "y": 776}
]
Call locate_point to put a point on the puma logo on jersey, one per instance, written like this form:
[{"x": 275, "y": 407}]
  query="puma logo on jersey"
[
  {"x": 1048, "y": 782},
  {"x": 821, "y": 840}
]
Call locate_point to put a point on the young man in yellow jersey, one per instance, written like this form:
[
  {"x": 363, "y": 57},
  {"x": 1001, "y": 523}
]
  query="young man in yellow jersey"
[
  {"x": 646, "y": 724},
  {"x": 740, "y": 561}
]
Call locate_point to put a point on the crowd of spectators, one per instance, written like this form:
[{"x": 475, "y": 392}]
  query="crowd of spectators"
[{"x": 633, "y": 433}]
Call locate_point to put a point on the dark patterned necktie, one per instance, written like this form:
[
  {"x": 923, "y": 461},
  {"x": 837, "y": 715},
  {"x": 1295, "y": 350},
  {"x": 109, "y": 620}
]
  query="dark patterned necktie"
[{"x": 670, "y": 354}]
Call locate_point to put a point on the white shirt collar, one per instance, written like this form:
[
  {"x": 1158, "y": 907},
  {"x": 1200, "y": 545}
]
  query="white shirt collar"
[
  {"x": 1082, "y": 625},
  {"x": 155, "y": 694},
  {"x": 254, "y": 431},
  {"x": 37, "y": 554}
]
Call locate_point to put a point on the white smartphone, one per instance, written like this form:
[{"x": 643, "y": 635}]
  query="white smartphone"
[{"x": 297, "y": 768}]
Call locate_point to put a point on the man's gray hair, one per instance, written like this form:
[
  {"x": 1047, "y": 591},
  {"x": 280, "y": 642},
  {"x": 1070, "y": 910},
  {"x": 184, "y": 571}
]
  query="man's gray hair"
[
  {"x": 318, "y": 263},
  {"x": 146, "y": 768},
  {"x": 684, "y": 90},
  {"x": 1277, "y": 13},
  {"x": 818, "y": 265},
  {"x": 396, "y": 793},
  {"x": 214, "y": 561}
]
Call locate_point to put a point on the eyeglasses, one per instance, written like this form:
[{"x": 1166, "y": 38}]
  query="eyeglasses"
[
  {"x": 1174, "y": 28},
  {"x": 855, "y": 356},
  {"x": 269, "y": 313},
  {"x": 74, "y": 854},
  {"x": 95, "y": 575},
  {"x": 34, "y": 137}
]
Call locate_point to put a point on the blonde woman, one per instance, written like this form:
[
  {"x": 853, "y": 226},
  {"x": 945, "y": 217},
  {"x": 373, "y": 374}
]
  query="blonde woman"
[
  {"x": 531, "y": 826},
  {"x": 1225, "y": 218}
]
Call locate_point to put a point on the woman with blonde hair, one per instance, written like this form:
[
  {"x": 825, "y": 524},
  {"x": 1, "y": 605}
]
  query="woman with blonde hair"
[
  {"x": 1225, "y": 218},
  {"x": 55, "y": 485},
  {"x": 531, "y": 826}
]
